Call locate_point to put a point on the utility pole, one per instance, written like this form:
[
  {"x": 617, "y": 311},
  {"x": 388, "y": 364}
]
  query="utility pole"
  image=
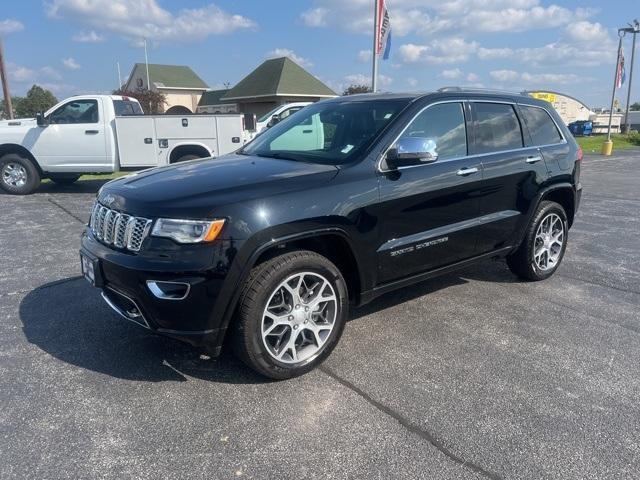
[
  {"x": 635, "y": 28},
  {"x": 119, "y": 76},
  {"x": 5, "y": 84},
  {"x": 146, "y": 62},
  {"x": 376, "y": 27},
  {"x": 607, "y": 146}
]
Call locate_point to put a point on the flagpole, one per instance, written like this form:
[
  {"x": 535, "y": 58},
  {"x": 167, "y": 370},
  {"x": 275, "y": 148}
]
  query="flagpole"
[
  {"x": 376, "y": 26},
  {"x": 627, "y": 126},
  {"x": 607, "y": 146}
]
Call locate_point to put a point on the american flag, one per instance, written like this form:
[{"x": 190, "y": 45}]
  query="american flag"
[
  {"x": 620, "y": 71},
  {"x": 383, "y": 45}
]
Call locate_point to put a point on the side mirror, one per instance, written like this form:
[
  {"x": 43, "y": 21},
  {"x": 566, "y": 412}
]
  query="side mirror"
[
  {"x": 410, "y": 151},
  {"x": 41, "y": 120},
  {"x": 274, "y": 120}
]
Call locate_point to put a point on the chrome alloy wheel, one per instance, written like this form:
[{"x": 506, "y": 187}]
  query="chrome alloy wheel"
[
  {"x": 14, "y": 174},
  {"x": 299, "y": 317},
  {"x": 548, "y": 242}
]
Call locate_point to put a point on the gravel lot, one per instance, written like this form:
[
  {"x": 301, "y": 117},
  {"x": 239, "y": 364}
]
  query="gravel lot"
[{"x": 471, "y": 375}]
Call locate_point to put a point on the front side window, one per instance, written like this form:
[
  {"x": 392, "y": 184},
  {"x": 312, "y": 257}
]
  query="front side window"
[
  {"x": 498, "y": 128},
  {"x": 444, "y": 125},
  {"x": 541, "y": 127},
  {"x": 327, "y": 132},
  {"x": 75, "y": 112}
]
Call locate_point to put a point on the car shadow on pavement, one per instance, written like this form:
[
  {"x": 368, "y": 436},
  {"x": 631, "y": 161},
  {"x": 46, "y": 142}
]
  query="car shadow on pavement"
[
  {"x": 80, "y": 187},
  {"x": 68, "y": 320}
]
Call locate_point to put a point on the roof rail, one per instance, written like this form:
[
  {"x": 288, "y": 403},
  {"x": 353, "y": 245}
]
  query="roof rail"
[{"x": 478, "y": 90}]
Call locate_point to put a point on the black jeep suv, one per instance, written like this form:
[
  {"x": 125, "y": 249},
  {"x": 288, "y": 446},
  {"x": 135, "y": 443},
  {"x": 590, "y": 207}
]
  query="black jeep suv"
[{"x": 343, "y": 201}]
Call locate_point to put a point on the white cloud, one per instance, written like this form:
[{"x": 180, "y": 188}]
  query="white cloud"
[
  {"x": 71, "y": 64},
  {"x": 438, "y": 51},
  {"x": 504, "y": 76},
  {"x": 316, "y": 17},
  {"x": 136, "y": 19},
  {"x": 51, "y": 72},
  {"x": 361, "y": 79},
  {"x": 520, "y": 19},
  {"x": 412, "y": 82},
  {"x": 365, "y": 56},
  {"x": 10, "y": 26},
  {"x": 285, "y": 52},
  {"x": 587, "y": 32},
  {"x": 494, "y": 53},
  {"x": 88, "y": 37},
  {"x": 20, "y": 74},
  {"x": 473, "y": 78},
  {"x": 451, "y": 74}
]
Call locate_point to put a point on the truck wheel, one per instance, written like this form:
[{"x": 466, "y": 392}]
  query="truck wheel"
[
  {"x": 543, "y": 247},
  {"x": 291, "y": 314},
  {"x": 64, "y": 179},
  {"x": 18, "y": 176}
]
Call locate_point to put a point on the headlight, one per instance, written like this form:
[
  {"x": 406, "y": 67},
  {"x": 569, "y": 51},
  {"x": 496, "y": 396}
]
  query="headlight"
[{"x": 188, "y": 231}]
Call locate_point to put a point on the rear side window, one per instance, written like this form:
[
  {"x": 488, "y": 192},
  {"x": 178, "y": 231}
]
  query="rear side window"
[
  {"x": 444, "y": 124},
  {"x": 124, "y": 108},
  {"x": 541, "y": 127},
  {"x": 498, "y": 128}
]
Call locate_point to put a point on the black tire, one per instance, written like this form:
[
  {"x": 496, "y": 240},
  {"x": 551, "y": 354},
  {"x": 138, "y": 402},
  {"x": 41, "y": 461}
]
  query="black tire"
[
  {"x": 522, "y": 261},
  {"x": 185, "y": 158},
  {"x": 12, "y": 161},
  {"x": 64, "y": 179},
  {"x": 263, "y": 282}
]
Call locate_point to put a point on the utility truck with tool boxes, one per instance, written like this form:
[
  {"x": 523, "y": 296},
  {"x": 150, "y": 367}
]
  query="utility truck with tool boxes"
[{"x": 104, "y": 134}]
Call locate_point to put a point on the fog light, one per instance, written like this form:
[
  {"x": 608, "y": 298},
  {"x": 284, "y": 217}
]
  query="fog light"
[{"x": 169, "y": 290}]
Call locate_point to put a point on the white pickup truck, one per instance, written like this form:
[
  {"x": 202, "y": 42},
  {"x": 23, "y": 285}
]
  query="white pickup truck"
[{"x": 106, "y": 133}]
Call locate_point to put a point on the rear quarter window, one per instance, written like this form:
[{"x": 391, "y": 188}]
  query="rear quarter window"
[
  {"x": 541, "y": 127},
  {"x": 498, "y": 127}
]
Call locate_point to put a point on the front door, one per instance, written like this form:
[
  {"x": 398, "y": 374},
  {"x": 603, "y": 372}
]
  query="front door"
[
  {"x": 430, "y": 211},
  {"x": 74, "y": 138}
]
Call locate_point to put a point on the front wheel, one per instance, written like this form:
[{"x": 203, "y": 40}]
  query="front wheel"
[
  {"x": 543, "y": 247},
  {"x": 18, "y": 175},
  {"x": 291, "y": 314}
]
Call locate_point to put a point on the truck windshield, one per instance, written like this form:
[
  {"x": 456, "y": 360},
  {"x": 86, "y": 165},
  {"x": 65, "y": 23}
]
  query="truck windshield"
[
  {"x": 331, "y": 133},
  {"x": 124, "y": 108},
  {"x": 269, "y": 114}
]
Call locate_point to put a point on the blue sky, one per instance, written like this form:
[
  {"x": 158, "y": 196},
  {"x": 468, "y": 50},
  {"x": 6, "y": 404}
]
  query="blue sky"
[{"x": 72, "y": 46}]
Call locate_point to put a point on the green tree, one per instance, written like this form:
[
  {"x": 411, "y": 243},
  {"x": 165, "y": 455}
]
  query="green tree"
[
  {"x": 353, "y": 89},
  {"x": 3, "y": 109},
  {"x": 37, "y": 100},
  {"x": 635, "y": 106},
  {"x": 151, "y": 102}
]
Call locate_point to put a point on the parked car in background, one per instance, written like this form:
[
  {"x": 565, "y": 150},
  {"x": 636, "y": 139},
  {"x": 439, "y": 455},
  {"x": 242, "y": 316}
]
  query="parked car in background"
[
  {"x": 581, "y": 128},
  {"x": 268, "y": 247},
  {"x": 103, "y": 134},
  {"x": 278, "y": 114}
]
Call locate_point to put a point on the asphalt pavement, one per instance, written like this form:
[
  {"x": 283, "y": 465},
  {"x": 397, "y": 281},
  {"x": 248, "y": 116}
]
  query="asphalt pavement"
[{"x": 470, "y": 375}]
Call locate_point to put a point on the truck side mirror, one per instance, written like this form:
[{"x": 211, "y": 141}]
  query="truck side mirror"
[
  {"x": 41, "y": 120},
  {"x": 274, "y": 120}
]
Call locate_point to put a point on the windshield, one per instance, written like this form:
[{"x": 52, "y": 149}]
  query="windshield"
[{"x": 330, "y": 133}]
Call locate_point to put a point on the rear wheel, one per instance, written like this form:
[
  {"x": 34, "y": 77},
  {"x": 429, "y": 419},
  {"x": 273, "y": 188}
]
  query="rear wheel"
[
  {"x": 291, "y": 314},
  {"x": 544, "y": 244},
  {"x": 64, "y": 179},
  {"x": 185, "y": 158},
  {"x": 18, "y": 175}
]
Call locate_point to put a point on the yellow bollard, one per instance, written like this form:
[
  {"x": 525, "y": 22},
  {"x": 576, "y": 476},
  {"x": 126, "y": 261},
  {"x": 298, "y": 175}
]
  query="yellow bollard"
[{"x": 607, "y": 147}]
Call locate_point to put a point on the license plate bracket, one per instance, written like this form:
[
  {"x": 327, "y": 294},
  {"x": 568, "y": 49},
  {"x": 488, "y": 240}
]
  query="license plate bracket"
[{"x": 90, "y": 266}]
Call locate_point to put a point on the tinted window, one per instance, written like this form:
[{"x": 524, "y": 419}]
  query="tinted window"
[
  {"x": 125, "y": 108},
  {"x": 77, "y": 111},
  {"x": 444, "y": 124},
  {"x": 498, "y": 128},
  {"x": 327, "y": 132},
  {"x": 541, "y": 127}
]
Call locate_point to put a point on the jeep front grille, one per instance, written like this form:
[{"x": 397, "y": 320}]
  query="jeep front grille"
[{"x": 118, "y": 229}]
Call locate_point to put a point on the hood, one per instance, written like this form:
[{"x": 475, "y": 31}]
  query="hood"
[{"x": 194, "y": 189}]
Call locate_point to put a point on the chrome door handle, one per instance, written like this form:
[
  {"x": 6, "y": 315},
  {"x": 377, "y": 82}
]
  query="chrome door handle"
[
  {"x": 467, "y": 171},
  {"x": 91, "y": 132},
  {"x": 534, "y": 158}
]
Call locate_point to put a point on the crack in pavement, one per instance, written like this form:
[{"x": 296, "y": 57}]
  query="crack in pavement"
[
  {"x": 65, "y": 210},
  {"x": 411, "y": 427},
  {"x": 598, "y": 284}
]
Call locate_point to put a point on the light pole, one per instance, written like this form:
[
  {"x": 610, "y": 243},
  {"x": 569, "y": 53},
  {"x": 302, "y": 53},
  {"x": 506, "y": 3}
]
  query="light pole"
[{"x": 635, "y": 28}]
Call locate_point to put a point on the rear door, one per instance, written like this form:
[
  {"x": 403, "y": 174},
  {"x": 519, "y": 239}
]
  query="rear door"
[
  {"x": 513, "y": 171},
  {"x": 430, "y": 211},
  {"x": 547, "y": 137}
]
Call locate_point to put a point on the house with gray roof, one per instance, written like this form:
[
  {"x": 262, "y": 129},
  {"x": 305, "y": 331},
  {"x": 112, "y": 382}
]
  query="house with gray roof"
[
  {"x": 181, "y": 86},
  {"x": 275, "y": 82}
]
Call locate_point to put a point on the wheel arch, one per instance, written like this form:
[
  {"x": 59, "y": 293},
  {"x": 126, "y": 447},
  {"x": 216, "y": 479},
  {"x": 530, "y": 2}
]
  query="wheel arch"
[
  {"x": 193, "y": 148},
  {"x": 8, "y": 148},
  {"x": 320, "y": 241},
  {"x": 562, "y": 194}
]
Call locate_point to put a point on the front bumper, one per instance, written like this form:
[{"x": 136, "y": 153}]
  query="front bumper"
[{"x": 124, "y": 279}]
